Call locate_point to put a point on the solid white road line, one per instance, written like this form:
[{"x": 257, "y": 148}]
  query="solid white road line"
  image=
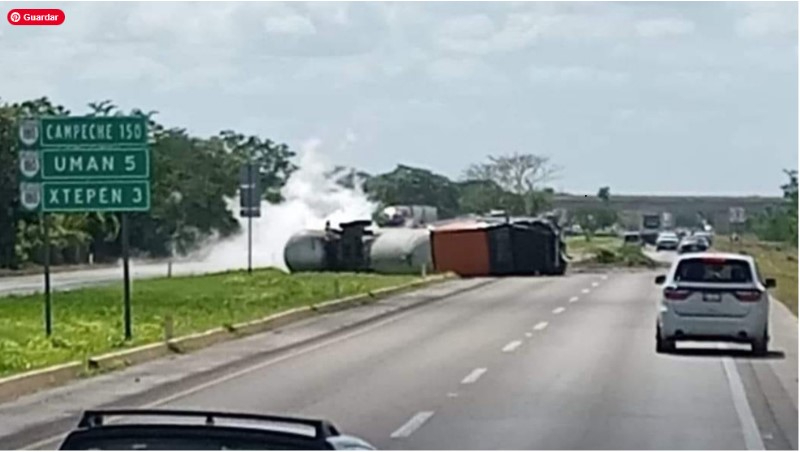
[
  {"x": 559, "y": 310},
  {"x": 585, "y": 291},
  {"x": 412, "y": 425},
  {"x": 752, "y": 436},
  {"x": 473, "y": 376},
  {"x": 511, "y": 346},
  {"x": 595, "y": 284},
  {"x": 573, "y": 299},
  {"x": 540, "y": 326}
]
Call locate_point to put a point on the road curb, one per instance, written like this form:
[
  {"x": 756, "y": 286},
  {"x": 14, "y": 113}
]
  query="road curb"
[
  {"x": 19, "y": 385},
  {"x": 36, "y": 380}
]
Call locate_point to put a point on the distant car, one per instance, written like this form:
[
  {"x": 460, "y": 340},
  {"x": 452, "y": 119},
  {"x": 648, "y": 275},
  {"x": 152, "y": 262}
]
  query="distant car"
[
  {"x": 713, "y": 297},
  {"x": 632, "y": 238},
  {"x": 709, "y": 237},
  {"x": 667, "y": 241},
  {"x": 691, "y": 245},
  {"x": 204, "y": 430}
]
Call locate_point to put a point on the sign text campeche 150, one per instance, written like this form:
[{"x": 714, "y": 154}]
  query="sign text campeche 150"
[{"x": 84, "y": 163}]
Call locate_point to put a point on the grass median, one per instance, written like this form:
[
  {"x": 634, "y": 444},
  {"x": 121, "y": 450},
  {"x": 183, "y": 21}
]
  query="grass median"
[
  {"x": 579, "y": 246},
  {"x": 88, "y": 322},
  {"x": 775, "y": 260}
]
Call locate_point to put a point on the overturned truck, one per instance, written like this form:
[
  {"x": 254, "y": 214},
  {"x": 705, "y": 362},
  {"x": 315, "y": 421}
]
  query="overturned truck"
[
  {"x": 352, "y": 247},
  {"x": 497, "y": 247},
  {"x": 342, "y": 249},
  {"x": 488, "y": 246}
]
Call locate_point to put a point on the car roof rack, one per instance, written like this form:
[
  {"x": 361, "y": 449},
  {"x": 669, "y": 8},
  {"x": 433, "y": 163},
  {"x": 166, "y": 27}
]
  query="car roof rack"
[{"x": 94, "y": 418}]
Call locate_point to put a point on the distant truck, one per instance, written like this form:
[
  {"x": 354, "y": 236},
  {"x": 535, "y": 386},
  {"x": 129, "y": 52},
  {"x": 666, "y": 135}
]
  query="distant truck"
[
  {"x": 410, "y": 216},
  {"x": 650, "y": 227}
]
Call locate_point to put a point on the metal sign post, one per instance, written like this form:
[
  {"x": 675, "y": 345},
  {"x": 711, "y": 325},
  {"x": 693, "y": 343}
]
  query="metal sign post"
[
  {"x": 75, "y": 164},
  {"x": 48, "y": 304},
  {"x": 249, "y": 203},
  {"x": 250, "y": 239},
  {"x": 126, "y": 276}
]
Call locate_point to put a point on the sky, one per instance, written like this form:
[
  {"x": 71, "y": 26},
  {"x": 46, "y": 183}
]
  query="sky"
[{"x": 647, "y": 98}]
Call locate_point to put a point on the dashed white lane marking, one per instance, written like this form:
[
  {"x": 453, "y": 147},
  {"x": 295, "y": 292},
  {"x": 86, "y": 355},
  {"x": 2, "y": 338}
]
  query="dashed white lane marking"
[
  {"x": 452, "y": 394},
  {"x": 752, "y": 436},
  {"x": 604, "y": 277},
  {"x": 595, "y": 284},
  {"x": 473, "y": 376},
  {"x": 573, "y": 299},
  {"x": 528, "y": 334},
  {"x": 585, "y": 291},
  {"x": 511, "y": 346},
  {"x": 412, "y": 425},
  {"x": 540, "y": 326},
  {"x": 559, "y": 310}
]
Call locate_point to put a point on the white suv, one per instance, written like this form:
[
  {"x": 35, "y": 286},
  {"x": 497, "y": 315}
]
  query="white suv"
[
  {"x": 713, "y": 297},
  {"x": 667, "y": 241}
]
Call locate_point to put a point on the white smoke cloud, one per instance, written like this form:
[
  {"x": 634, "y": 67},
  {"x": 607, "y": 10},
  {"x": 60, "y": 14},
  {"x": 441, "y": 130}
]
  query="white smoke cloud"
[{"x": 311, "y": 199}]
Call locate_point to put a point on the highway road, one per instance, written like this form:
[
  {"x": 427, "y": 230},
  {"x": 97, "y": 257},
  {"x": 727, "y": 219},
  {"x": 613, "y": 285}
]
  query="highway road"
[
  {"x": 514, "y": 363},
  {"x": 69, "y": 280}
]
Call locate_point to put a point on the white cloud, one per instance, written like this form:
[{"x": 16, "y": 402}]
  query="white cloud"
[
  {"x": 576, "y": 74},
  {"x": 332, "y": 12},
  {"x": 474, "y": 25},
  {"x": 124, "y": 69},
  {"x": 477, "y": 34},
  {"x": 459, "y": 69},
  {"x": 450, "y": 68},
  {"x": 694, "y": 77},
  {"x": 350, "y": 137},
  {"x": 655, "y": 28},
  {"x": 763, "y": 23},
  {"x": 292, "y": 24}
]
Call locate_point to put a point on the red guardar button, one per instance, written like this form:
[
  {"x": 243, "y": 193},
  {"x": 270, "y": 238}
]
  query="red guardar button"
[{"x": 36, "y": 17}]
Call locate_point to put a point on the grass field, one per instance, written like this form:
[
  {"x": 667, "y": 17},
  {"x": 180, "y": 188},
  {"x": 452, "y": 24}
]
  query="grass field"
[
  {"x": 776, "y": 260},
  {"x": 88, "y": 322},
  {"x": 578, "y": 245},
  {"x": 606, "y": 251}
]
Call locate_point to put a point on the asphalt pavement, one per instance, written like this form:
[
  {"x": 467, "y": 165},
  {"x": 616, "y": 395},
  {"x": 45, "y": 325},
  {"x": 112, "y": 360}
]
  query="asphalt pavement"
[
  {"x": 70, "y": 280},
  {"x": 514, "y": 363}
]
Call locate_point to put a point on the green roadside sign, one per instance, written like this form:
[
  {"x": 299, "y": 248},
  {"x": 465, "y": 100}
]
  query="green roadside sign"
[
  {"x": 84, "y": 164},
  {"x": 87, "y": 163},
  {"x": 113, "y": 196},
  {"x": 93, "y": 130}
]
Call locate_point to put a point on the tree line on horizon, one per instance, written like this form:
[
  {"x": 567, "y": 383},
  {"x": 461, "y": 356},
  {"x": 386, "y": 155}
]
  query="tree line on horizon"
[{"x": 194, "y": 177}]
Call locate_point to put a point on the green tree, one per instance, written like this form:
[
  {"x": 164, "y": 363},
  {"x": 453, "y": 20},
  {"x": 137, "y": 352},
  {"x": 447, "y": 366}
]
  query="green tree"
[
  {"x": 520, "y": 174},
  {"x": 11, "y": 216},
  {"x": 406, "y": 185},
  {"x": 482, "y": 196},
  {"x": 273, "y": 160},
  {"x": 350, "y": 178},
  {"x": 604, "y": 193},
  {"x": 780, "y": 223}
]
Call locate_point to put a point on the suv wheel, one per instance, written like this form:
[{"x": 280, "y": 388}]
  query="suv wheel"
[
  {"x": 664, "y": 345},
  {"x": 759, "y": 346}
]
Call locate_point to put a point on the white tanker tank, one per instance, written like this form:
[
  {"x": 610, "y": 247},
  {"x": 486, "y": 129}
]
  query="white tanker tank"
[
  {"x": 305, "y": 251},
  {"x": 401, "y": 251}
]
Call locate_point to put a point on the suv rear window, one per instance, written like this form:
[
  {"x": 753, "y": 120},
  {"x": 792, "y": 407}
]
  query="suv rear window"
[{"x": 713, "y": 271}]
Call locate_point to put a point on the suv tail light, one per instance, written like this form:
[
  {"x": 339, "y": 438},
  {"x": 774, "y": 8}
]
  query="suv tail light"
[
  {"x": 748, "y": 295},
  {"x": 676, "y": 294}
]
